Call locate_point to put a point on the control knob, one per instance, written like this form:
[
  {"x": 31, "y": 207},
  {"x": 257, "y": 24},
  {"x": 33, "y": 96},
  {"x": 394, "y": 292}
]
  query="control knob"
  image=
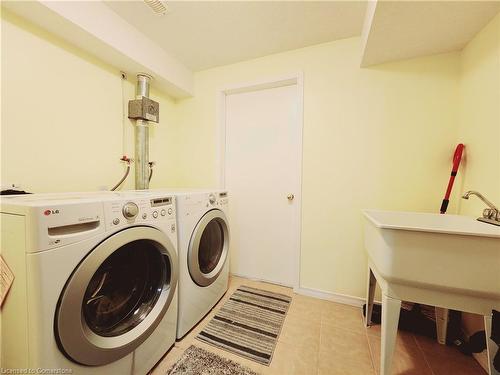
[
  {"x": 212, "y": 199},
  {"x": 130, "y": 210}
]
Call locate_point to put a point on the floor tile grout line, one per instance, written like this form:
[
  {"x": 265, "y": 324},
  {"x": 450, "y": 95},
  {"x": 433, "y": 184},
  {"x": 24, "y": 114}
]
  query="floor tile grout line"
[
  {"x": 428, "y": 363},
  {"x": 415, "y": 343},
  {"x": 371, "y": 353},
  {"x": 423, "y": 355},
  {"x": 319, "y": 344},
  {"x": 343, "y": 329}
]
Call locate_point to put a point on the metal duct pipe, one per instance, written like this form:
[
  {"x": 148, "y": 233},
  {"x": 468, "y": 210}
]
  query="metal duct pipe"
[
  {"x": 142, "y": 137},
  {"x": 142, "y": 88}
]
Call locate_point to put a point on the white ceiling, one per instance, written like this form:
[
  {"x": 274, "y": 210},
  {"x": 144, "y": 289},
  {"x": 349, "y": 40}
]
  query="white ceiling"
[
  {"x": 404, "y": 29},
  {"x": 203, "y": 34}
]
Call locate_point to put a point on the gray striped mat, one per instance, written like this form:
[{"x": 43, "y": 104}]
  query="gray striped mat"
[{"x": 248, "y": 324}]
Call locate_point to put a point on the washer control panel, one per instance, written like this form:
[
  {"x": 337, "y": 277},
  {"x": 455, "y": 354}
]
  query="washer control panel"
[{"x": 139, "y": 210}]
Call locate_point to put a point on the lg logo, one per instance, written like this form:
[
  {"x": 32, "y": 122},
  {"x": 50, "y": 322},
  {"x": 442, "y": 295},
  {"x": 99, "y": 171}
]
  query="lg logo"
[{"x": 50, "y": 212}]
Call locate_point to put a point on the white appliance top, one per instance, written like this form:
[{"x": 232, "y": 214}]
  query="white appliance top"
[
  {"x": 41, "y": 199},
  {"x": 176, "y": 191},
  {"x": 59, "y": 219}
]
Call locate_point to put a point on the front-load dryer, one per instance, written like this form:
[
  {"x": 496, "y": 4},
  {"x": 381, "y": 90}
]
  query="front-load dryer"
[
  {"x": 203, "y": 245},
  {"x": 95, "y": 288}
]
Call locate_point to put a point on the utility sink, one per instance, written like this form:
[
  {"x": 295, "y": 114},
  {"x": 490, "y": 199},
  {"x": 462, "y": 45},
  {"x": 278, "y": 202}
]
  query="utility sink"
[
  {"x": 449, "y": 252},
  {"x": 447, "y": 261}
]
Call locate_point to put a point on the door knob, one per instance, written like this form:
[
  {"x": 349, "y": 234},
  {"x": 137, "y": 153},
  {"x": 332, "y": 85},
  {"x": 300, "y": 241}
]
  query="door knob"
[{"x": 290, "y": 197}]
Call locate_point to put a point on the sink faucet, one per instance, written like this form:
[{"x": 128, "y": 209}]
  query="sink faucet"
[
  {"x": 491, "y": 215},
  {"x": 480, "y": 196}
]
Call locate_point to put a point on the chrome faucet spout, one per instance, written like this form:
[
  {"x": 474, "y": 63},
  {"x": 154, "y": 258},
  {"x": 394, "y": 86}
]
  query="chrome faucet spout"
[{"x": 480, "y": 196}]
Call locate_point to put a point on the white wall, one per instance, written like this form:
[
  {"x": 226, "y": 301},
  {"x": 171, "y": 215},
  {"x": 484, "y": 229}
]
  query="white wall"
[
  {"x": 64, "y": 124},
  {"x": 381, "y": 137}
]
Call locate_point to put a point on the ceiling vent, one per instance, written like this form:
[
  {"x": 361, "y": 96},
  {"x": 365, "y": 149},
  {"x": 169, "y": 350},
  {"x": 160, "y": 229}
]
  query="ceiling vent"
[{"x": 158, "y": 7}]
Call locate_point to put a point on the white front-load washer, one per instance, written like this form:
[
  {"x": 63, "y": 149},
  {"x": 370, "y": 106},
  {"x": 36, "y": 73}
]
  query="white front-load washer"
[
  {"x": 203, "y": 246},
  {"x": 95, "y": 288}
]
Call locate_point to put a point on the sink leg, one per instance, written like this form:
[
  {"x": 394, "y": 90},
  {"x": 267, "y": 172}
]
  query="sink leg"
[
  {"x": 390, "y": 319},
  {"x": 441, "y": 324},
  {"x": 491, "y": 347},
  {"x": 370, "y": 295}
]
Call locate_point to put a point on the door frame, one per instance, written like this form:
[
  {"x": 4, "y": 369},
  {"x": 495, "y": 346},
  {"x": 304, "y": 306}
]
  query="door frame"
[{"x": 294, "y": 79}]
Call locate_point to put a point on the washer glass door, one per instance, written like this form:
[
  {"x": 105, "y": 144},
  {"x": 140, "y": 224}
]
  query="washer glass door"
[
  {"x": 208, "y": 248},
  {"x": 125, "y": 288},
  {"x": 116, "y": 296}
]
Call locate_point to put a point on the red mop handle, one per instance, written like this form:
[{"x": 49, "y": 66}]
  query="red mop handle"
[{"x": 457, "y": 157}]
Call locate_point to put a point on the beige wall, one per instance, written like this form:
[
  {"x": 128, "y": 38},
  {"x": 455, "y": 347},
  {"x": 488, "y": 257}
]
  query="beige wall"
[
  {"x": 479, "y": 117},
  {"x": 381, "y": 137},
  {"x": 479, "y": 129},
  {"x": 63, "y": 127}
]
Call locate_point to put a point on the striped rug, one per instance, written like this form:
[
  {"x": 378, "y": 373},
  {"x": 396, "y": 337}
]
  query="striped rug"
[
  {"x": 198, "y": 361},
  {"x": 248, "y": 324}
]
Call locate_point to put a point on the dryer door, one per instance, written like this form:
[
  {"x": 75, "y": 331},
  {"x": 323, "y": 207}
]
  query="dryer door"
[
  {"x": 116, "y": 296},
  {"x": 208, "y": 248}
]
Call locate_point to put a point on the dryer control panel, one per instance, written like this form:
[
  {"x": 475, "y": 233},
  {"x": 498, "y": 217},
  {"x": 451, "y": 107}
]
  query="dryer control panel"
[
  {"x": 223, "y": 198},
  {"x": 217, "y": 199}
]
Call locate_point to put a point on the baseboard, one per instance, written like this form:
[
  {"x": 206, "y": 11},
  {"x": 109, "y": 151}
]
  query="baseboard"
[
  {"x": 261, "y": 280},
  {"x": 330, "y": 296},
  {"x": 316, "y": 293}
]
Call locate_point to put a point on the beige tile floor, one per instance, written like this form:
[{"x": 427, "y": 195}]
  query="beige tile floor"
[{"x": 325, "y": 338}]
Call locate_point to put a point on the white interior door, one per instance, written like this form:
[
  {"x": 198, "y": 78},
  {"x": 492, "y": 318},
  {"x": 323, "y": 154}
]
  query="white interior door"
[{"x": 263, "y": 177}]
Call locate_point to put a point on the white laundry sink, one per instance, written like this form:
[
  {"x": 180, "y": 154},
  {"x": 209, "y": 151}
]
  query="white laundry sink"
[
  {"x": 447, "y": 261},
  {"x": 449, "y": 252}
]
